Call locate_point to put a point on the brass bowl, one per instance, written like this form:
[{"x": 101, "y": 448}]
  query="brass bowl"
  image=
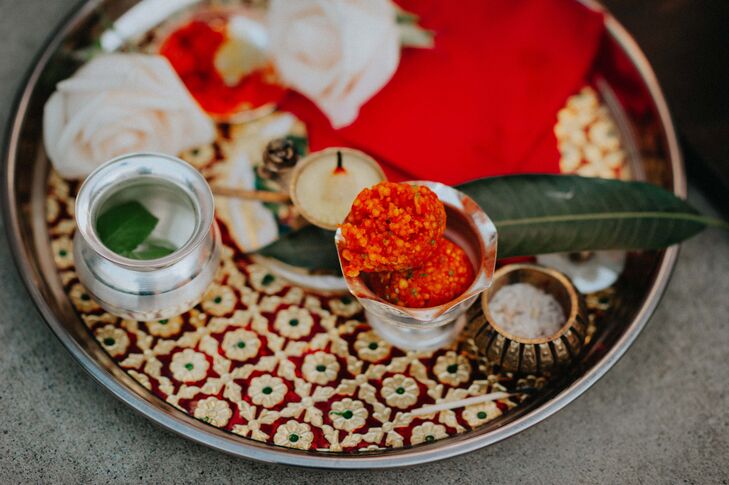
[{"x": 533, "y": 355}]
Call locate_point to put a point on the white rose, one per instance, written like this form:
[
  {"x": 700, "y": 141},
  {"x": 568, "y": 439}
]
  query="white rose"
[
  {"x": 338, "y": 53},
  {"x": 118, "y": 104}
]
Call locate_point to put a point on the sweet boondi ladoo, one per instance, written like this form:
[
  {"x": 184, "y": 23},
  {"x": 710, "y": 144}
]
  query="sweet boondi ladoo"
[
  {"x": 394, "y": 235},
  {"x": 391, "y": 227},
  {"x": 444, "y": 276}
]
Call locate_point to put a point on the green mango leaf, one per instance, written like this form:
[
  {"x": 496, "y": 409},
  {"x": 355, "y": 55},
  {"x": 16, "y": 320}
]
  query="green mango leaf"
[
  {"x": 125, "y": 226},
  {"x": 539, "y": 214},
  {"x": 309, "y": 247},
  {"x": 152, "y": 249}
]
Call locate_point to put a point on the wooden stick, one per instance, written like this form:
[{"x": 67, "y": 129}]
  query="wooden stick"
[
  {"x": 443, "y": 406},
  {"x": 260, "y": 195}
]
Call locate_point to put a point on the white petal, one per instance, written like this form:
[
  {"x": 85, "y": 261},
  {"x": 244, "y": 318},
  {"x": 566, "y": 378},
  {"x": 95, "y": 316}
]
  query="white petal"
[
  {"x": 118, "y": 103},
  {"x": 54, "y": 119},
  {"x": 338, "y": 53}
]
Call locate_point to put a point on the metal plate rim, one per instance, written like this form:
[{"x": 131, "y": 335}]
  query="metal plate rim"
[{"x": 217, "y": 439}]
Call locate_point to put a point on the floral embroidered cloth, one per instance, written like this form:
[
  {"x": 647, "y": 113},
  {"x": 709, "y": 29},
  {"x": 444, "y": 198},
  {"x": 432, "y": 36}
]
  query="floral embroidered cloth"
[{"x": 272, "y": 362}]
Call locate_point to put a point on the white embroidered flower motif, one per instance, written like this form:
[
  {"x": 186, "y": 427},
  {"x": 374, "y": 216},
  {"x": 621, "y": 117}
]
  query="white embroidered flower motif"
[
  {"x": 143, "y": 379},
  {"x": 588, "y": 139},
  {"x": 320, "y": 367},
  {"x": 346, "y": 306},
  {"x": 53, "y": 209},
  {"x": 264, "y": 281},
  {"x": 233, "y": 277},
  {"x": 93, "y": 320},
  {"x": 197, "y": 318},
  {"x": 294, "y": 322},
  {"x": 370, "y": 347},
  {"x": 452, "y": 369},
  {"x": 219, "y": 300},
  {"x": 62, "y": 252},
  {"x": 400, "y": 391},
  {"x": 82, "y": 300},
  {"x": 267, "y": 390},
  {"x": 199, "y": 156},
  {"x": 117, "y": 104},
  {"x": 58, "y": 185},
  {"x": 604, "y": 134},
  {"x": 427, "y": 432},
  {"x": 114, "y": 340},
  {"x": 338, "y": 54},
  {"x": 213, "y": 411},
  {"x": 480, "y": 413},
  {"x": 189, "y": 366},
  {"x": 166, "y": 327},
  {"x": 65, "y": 227},
  {"x": 240, "y": 344},
  {"x": 294, "y": 435},
  {"x": 348, "y": 414}
]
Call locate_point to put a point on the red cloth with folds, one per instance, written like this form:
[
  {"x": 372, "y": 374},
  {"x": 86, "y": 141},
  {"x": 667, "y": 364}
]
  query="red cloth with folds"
[{"x": 483, "y": 101}]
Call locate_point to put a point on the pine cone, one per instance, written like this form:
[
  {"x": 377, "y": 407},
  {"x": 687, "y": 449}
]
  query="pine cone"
[
  {"x": 279, "y": 156},
  {"x": 265, "y": 174}
]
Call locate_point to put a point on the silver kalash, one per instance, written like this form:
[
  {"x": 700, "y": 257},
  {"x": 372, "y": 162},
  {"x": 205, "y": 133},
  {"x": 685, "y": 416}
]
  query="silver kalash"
[{"x": 181, "y": 198}]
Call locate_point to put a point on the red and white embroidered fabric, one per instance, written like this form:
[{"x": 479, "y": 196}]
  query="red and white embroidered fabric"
[{"x": 270, "y": 361}]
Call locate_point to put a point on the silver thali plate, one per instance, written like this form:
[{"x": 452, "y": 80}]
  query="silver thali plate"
[{"x": 627, "y": 81}]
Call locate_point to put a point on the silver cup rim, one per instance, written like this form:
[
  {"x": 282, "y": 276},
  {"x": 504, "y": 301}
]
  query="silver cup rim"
[{"x": 144, "y": 165}]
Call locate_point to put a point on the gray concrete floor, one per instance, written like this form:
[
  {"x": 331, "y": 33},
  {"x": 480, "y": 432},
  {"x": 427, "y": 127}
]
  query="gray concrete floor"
[{"x": 660, "y": 416}]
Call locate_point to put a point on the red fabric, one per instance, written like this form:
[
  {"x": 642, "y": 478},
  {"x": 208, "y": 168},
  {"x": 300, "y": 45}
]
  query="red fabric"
[
  {"x": 483, "y": 101},
  {"x": 191, "y": 51}
]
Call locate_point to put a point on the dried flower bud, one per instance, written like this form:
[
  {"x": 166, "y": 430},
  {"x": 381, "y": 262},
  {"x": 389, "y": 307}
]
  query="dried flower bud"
[
  {"x": 264, "y": 173},
  {"x": 279, "y": 156}
]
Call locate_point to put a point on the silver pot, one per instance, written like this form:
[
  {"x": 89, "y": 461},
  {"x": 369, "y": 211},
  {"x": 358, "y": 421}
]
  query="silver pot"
[{"x": 181, "y": 198}]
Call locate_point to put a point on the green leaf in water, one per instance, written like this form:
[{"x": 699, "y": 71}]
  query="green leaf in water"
[
  {"x": 152, "y": 249},
  {"x": 539, "y": 214},
  {"x": 125, "y": 226}
]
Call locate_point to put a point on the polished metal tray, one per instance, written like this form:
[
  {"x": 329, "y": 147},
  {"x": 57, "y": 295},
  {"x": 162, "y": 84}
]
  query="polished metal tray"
[{"x": 626, "y": 83}]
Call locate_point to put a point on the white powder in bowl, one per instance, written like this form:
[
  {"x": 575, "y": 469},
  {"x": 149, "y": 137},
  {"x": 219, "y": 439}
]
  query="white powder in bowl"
[{"x": 525, "y": 311}]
